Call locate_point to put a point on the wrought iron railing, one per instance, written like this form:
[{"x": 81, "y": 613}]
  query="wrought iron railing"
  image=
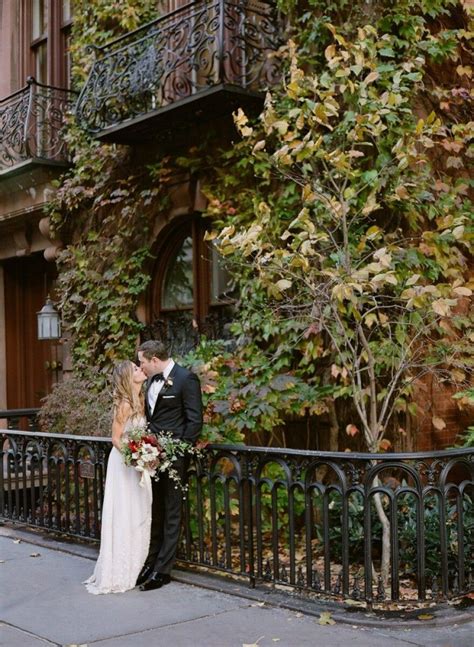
[
  {"x": 20, "y": 418},
  {"x": 187, "y": 52},
  {"x": 179, "y": 332},
  {"x": 306, "y": 520},
  {"x": 31, "y": 124}
]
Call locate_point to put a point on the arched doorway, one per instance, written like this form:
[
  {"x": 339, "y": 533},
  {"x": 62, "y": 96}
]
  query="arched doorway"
[{"x": 191, "y": 293}]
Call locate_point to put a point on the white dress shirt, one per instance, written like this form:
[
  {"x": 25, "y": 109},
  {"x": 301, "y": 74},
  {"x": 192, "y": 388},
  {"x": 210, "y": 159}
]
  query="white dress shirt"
[{"x": 156, "y": 386}]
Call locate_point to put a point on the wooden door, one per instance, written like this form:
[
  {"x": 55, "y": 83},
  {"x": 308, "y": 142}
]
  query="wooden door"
[{"x": 28, "y": 281}]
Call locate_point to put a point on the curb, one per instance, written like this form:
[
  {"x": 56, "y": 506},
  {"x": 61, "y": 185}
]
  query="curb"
[{"x": 444, "y": 614}]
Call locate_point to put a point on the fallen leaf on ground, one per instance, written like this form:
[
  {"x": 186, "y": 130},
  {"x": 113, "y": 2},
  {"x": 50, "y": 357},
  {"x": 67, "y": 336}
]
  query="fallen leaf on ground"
[
  {"x": 425, "y": 616},
  {"x": 17, "y": 541},
  {"x": 325, "y": 619},
  {"x": 255, "y": 644},
  {"x": 355, "y": 603},
  {"x": 35, "y": 554}
]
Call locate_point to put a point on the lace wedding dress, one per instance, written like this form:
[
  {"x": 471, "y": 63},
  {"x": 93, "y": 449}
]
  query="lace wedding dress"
[{"x": 126, "y": 522}]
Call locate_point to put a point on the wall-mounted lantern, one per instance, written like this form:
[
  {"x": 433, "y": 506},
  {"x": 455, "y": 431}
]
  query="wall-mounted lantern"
[{"x": 49, "y": 322}]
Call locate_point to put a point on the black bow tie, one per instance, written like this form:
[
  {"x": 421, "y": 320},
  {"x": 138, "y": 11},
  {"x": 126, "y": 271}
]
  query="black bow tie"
[{"x": 159, "y": 377}]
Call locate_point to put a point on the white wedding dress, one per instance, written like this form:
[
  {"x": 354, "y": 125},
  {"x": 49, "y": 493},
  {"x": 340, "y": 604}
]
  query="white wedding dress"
[{"x": 126, "y": 523}]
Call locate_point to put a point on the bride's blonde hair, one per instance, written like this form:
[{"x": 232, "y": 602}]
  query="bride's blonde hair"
[{"x": 122, "y": 379}]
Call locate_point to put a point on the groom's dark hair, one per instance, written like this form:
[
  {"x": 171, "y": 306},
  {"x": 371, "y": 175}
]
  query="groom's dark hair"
[{"x": 154, "y": 348}]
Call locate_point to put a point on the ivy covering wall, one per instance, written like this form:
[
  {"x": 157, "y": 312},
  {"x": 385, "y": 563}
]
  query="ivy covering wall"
[{"x": 368, "y": 141}]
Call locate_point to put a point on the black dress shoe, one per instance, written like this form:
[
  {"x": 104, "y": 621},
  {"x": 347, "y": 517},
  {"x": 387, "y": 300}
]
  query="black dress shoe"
[
  {"x": 155, "y": 581},
  {"x": 144, "y": 574}
]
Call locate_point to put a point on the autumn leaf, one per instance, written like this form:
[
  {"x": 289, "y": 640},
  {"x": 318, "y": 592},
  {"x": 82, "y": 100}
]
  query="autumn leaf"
[
  {"x": 384, "y": 445},
  {"x": 259, "y": 146},
  {"x": 458, "y": 375},
  {"x": 326, "y": 619},
  {"x": 330, "y": 52},
  {"x": 438, "y": 423},
  {"x": 413, "y": 279},
  {"x": 462, "y": 291},
  {"x": 464, "y": 70},
  {"x": 373, "y": 76},
  {"x": 402, "y": 193},
  {"x": 240, "y": 118},
  {"x": 335, "y": 370},
  {"x": 454, "y": 162},
  {"x": 425, "y": 616},
  {"x": 441, "y": 307},
  {"x": 283, "y": 284},
  {"x": 352, "y": 430},
  {"x": 255, "y": 644},
  {"x": 355, "y": 603},
  {"x": 354, "y": 153}
]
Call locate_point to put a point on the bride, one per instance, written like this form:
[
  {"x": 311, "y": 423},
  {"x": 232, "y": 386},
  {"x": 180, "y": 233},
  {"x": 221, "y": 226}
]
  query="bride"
[{"x": 126, "y": 511}]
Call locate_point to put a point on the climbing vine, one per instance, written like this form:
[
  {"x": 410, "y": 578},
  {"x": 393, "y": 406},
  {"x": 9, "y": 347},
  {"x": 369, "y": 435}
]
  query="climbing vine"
[
  {"x": 413, "y": 63},
  {"x": 103, "y": 210}
]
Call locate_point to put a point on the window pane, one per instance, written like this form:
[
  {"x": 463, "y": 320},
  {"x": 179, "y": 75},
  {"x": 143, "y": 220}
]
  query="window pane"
[
  {"x": 67, "y": 59},
  {"x": 40, "y": 18},
  {"x": 67, "y": 10},
  {"x": 221, "y": 281},
  {"x": 41, "y": 63},
  {"x": 178, "y": 283}
]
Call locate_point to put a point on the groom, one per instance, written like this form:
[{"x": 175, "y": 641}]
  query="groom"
[{"x": 173, "y": 404}]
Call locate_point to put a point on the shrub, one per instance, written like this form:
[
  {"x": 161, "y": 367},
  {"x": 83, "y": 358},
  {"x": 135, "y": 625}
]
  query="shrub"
[{"x": 75, "y": 407}]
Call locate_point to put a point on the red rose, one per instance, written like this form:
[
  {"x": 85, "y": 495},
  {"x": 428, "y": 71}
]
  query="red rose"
[{"x": 151, "y": 440}]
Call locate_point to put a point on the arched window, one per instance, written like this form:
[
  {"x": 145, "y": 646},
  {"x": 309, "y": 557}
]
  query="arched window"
[{"x": 192, "y": 293}]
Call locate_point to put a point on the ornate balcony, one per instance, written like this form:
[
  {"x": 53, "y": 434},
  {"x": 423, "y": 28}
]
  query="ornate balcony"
[
  {"x": 31, "y": 127},
  {"x": 202, "y": 60}
]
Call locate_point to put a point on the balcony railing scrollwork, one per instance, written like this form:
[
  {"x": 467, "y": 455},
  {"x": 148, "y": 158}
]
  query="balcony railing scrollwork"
[
  {"x": 188, "y": 53},
  {"x": 31, "y": 125}
]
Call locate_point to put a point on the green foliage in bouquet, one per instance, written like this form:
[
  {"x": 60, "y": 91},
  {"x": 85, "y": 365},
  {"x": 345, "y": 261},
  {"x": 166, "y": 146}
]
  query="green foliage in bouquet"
[{"x": 156, "y": 453}]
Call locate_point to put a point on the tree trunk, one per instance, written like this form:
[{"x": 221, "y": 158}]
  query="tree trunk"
[
  {"x": 385, "y": 560},
  {"x": 334, "y": 428}
]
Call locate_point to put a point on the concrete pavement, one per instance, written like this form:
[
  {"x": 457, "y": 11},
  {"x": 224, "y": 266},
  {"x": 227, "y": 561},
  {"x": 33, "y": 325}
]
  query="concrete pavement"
[{"x": 42, "y": 602}]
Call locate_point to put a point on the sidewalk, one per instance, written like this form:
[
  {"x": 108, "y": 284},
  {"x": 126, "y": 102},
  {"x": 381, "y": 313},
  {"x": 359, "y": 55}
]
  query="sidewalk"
[{"x": 42, "y": 602}]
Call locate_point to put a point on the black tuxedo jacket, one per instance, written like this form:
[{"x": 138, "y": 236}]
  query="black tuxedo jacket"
[{"x": 178, "y": 407}]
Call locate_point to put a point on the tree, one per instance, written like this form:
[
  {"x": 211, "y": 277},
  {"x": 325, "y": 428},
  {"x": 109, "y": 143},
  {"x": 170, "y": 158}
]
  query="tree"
[{"x": 374, "y": 261}]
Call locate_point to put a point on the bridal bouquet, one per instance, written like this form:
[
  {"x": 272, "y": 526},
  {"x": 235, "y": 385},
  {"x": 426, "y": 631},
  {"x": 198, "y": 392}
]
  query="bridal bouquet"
[
  {"x": 142, "y": 451},
  {"x": 155, "y": 454}
]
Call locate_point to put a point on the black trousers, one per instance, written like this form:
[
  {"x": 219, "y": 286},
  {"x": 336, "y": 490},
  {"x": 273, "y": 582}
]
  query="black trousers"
[{"x": 166, "y": 519}]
